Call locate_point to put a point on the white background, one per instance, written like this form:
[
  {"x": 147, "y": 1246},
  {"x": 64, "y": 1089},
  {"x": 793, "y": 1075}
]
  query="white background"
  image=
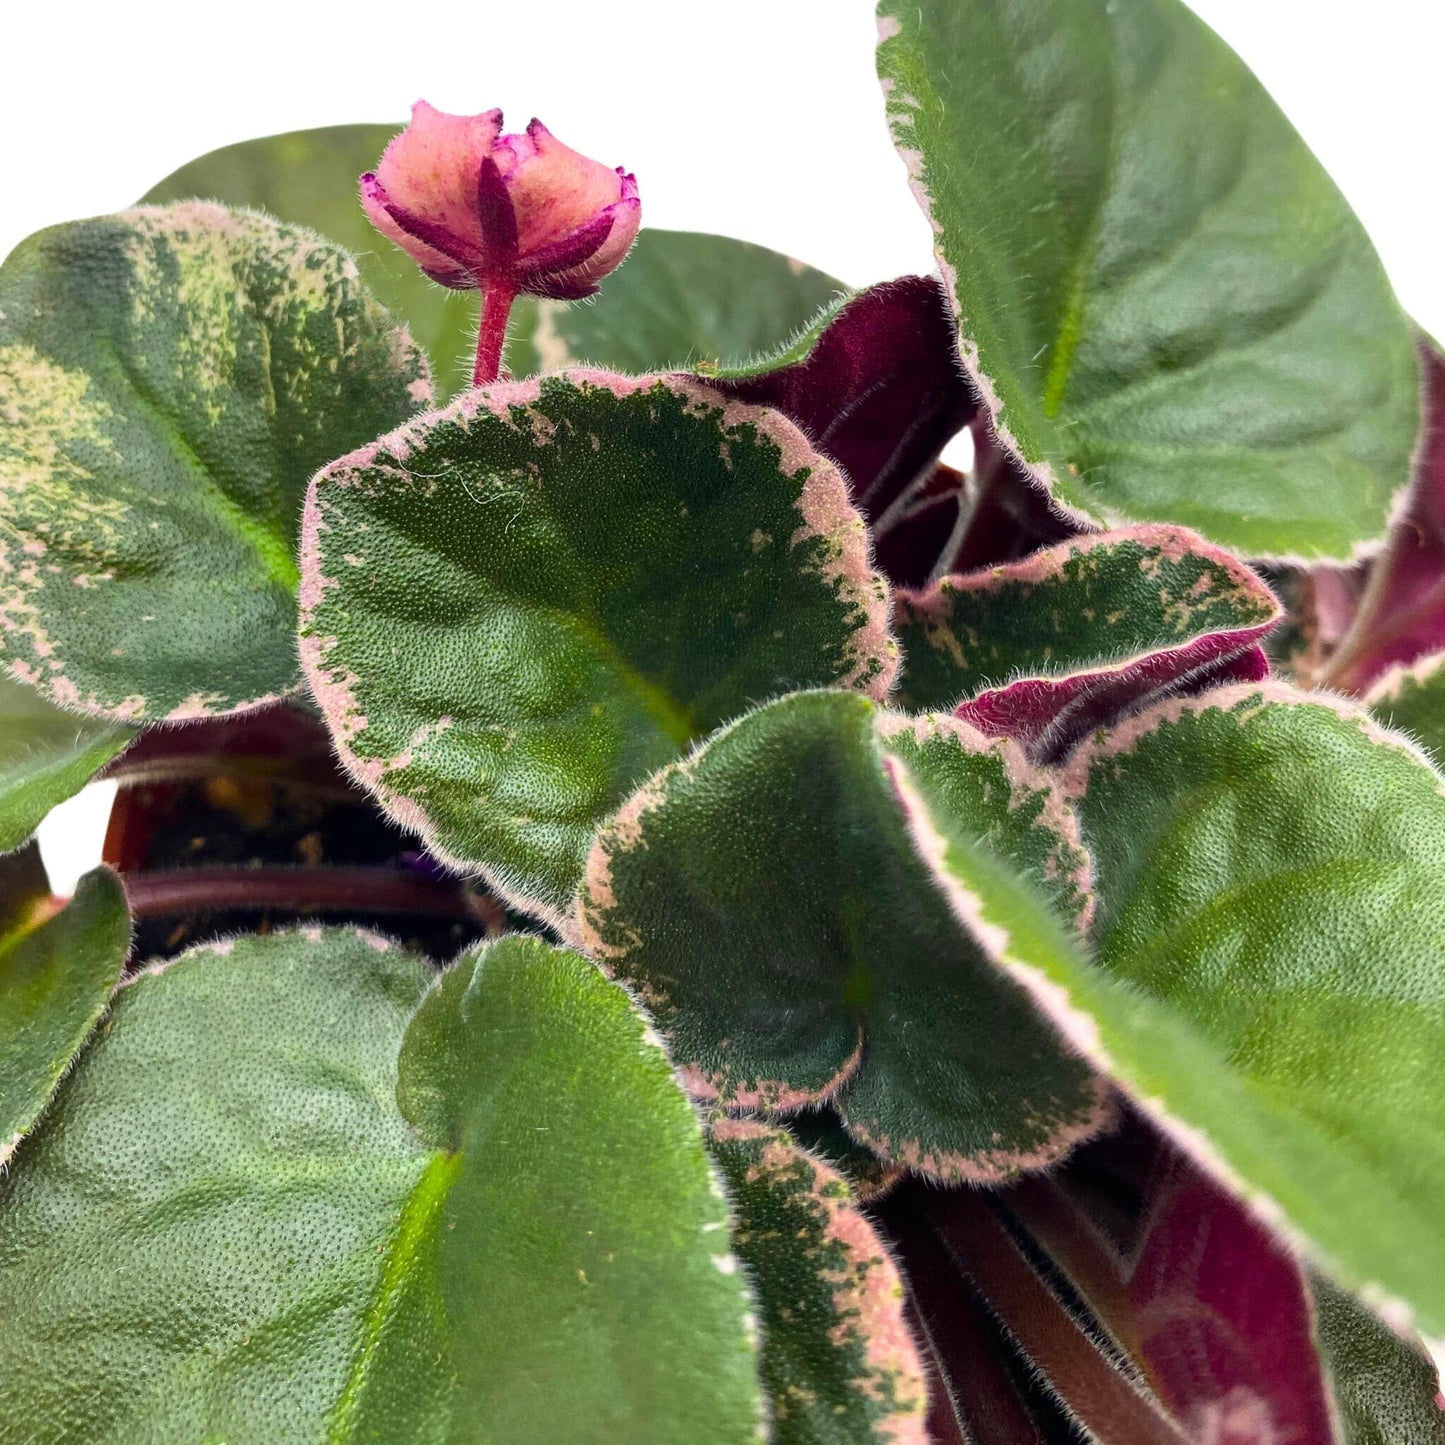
[{"x": 755, "y": 118}]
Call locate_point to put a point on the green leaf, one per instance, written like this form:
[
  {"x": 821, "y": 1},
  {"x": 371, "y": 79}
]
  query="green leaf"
[
  {"x": 193, "y": 1240},
  {"x": 517, "y": 608},
  {"x": 1100, "y": 620},
  {"x": 1385, "y": 1387},
  {"x": 681, "y": 300},
  {"x": 224, "y": 1228},
  {"x": 1269, "y": 867},
  {"x": 575, "y": 1281},
  {"x": 172, "y": 377},
  {"x": 46, "y": 756},
  {"x": 1412, "y": 699},
  {"x": 1169, "y": 308},
  {"x": 58, "y": 965},
  {"x": 785, "y": 907},
  {"x": 837, "y": 1358}
]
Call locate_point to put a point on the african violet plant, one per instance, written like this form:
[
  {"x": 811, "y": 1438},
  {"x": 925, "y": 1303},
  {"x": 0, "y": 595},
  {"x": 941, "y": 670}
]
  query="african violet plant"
[{"x": 731, "y": 927}]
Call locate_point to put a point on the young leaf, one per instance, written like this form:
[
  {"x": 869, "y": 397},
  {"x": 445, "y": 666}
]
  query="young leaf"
[
  {"x": 1045, "y": 649},
  {"x": 517, "y": 608},
  {"x": 1169, "y": 309},
  {"x": 1386, "y": 1388},
  {"x": 225, "y": 1229},
  {"x": 837, "y": 1359},
  {"x": 575, "y": 1280},
  {"x": 878, "y": 389},
  {"x": 1268, "y": 867},
  {"x": 682, "y": 299},
  {"x": 171, "y": 379},
  {"x": 780, "y": 902},
  {"x": 46, "y": 756},
  {"x": 1412, "y": 699},
  {"x": 58, "y": 965}
]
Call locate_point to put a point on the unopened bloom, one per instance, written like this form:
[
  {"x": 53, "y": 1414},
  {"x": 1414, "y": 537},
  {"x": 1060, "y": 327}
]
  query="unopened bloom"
[{"x": 513, "y": 213}]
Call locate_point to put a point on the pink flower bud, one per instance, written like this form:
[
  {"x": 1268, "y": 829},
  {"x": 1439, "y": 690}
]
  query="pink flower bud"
[{"x": 476, "y": 208}]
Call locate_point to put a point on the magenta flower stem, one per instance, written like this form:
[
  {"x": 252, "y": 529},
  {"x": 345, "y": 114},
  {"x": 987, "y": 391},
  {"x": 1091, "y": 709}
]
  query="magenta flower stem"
[{"x": 492, "y": 334}]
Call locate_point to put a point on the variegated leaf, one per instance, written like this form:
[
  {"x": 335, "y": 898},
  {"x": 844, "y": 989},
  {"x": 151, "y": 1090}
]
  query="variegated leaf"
[
  {"x": 169, "y": 380},
  {"x": 517, "y": 608}
]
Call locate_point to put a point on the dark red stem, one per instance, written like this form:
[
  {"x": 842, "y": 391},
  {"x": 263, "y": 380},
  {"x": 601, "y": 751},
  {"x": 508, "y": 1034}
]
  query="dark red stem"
[
  {"x": 497, "y": 301},
  {"x": 303, "y": 890}
]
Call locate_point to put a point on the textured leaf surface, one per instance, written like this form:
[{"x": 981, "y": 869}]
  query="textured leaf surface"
[
  {"x": 1168, "y": 306},
  {"x": 1387, "y": 1390},
  {"x": 782, "y": 906},
  {"x": 46, "y": 756},
  {"x": 836, "y": 1357},
  {"x": 517, "y": 608},
  {"x": 683, "y": 299},
  {"x": 1045, "y": 649},
  {"x": 1412, "y": 699},
  {"x": 193, "y": 1241},
  {"x": 1269, "y": 870},
  {"x": 58, "y": 965},
  {"x": 169, "y": 379},
  {"x": 225, "y": 1228},
  {"x": 566, "y": 1275}
]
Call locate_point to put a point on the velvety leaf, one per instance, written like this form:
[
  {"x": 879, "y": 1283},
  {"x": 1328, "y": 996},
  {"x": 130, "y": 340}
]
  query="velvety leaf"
[
  {"x": 822, "y": 1132},
  {"x": 1168, "y": 307},
  {"x": 879, "y": 390},
  {"x": 225, "y": 1229},
  {"x": 195, "y": 1240},
  {"x": 58, "y": 964},
  {"x": 1199, "y": 1297},
  {"x": 1386, "y": 1389},
  {"x": 517, "y": 608},
  {"x": 682, "y": 299},
  {"x": 837, "y": 1359},
  {"x": 1046, "y": 649},
  {"x": 1401, "y": 615},
  {"x": 1269, "y": 869},
  {"x": 568, "y": 1277},
  {"x": 1412, "y": 699},
  {"x": 46, "y": 756},
  {"x": 782, "y": 903},
  {"x": 171, "y": 378}
]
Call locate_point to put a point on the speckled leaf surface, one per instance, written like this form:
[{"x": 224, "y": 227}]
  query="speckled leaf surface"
[
  {"x": 683, "y": 299},
  {"x": 1268, "y": 867},
  {"x": 567, "y": 1274},
  {"x": 46, "y": 756},
  {"x": 1386, "y": 1388},
  {"x": 781, "y": 903},
  {"x": 169, "y": 380},
  {"x": 276, "y": 1200},
  {"x": 1171, "y": 311},
  {"x": 517, "y": 608},
  {"x": 1412, "y": 699},
  {"x": 837, "y": 1359},
  {"x": 58, "y": 965},
  {"x": 1045, "y": 649}
]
